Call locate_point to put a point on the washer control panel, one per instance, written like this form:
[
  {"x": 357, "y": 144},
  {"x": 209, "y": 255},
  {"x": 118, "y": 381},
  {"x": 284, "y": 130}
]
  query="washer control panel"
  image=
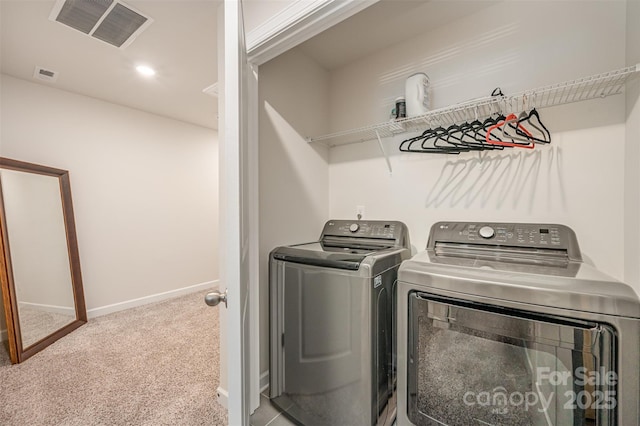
[
  {"x": 530, "y": 235},
  {"x": 371, "y": 229}
]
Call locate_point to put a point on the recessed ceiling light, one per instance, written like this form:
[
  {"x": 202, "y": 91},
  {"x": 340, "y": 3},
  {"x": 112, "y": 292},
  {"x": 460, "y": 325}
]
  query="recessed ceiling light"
[{"x": 145, "y": 70}]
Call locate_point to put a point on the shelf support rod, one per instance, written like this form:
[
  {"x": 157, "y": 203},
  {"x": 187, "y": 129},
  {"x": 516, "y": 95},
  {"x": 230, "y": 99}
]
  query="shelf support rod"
[{"x": 386, "y": 157}]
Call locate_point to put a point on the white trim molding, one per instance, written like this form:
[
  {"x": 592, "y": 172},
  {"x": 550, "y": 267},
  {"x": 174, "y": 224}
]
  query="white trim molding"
[
  {"x": 253, "y": 162},
  {"x": 264, "y": 381},
  {"x": 223, "y": 397},
  {"x": 297, "y": 23},
  {"x": 64, "y": 310},
  {"x": 120, "y": 306}
]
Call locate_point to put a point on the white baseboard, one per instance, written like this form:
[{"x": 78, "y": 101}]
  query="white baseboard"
[
  {"x": 3, "y": 336},
  {"x": 64, "y": 310},
  {"x": 104, "y": 310},
  {"x": 264, "y": 381},
  {"x": 223, "y": 397}
]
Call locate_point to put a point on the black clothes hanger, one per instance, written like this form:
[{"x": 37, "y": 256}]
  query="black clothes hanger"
[
  {"x": 407, "y": 145},
  {"x": 464, "y": 134},
  {"x": 536, "y": 124},
  {"x": 438, "y": 137},
  {"x": 494, "y": 133}
]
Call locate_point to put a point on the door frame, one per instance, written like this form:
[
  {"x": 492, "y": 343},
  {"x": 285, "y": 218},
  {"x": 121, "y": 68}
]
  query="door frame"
[{"x": 296, "y": 23}]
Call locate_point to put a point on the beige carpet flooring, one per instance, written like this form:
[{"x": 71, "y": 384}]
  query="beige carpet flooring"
[
  {"x": 36, "y": 324},
  {"x": 152, "y": 365}
]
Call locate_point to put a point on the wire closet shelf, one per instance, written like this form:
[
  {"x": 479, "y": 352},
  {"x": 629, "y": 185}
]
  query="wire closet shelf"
[{"x": 582, "y": 89}]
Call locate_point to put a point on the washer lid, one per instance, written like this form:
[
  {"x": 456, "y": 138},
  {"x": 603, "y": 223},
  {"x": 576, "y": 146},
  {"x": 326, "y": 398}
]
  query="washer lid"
[{"x": 319, "y": 254}]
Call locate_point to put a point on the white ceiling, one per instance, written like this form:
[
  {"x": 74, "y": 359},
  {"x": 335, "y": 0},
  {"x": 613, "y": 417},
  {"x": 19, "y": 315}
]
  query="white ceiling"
[
  {"x": 180, "y": 44},
  {"x": 382, "y": 25}
]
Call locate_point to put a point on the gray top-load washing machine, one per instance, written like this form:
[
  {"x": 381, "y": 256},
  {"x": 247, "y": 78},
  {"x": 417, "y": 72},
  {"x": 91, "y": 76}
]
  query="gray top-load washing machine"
[
  {"x": 332, "y": 311},
  {"x": 504, "y": 324}
]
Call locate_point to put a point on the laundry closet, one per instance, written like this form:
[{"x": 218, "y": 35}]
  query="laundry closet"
[{"x": 349, "y": 77}]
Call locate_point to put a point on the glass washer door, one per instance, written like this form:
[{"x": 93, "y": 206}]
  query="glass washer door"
[{"x": 472, "y": 364}]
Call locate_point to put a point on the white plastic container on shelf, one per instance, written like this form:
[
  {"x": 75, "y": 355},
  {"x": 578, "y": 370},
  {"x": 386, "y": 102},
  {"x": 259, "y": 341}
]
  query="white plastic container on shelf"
[{"x": 417, "y": 94}]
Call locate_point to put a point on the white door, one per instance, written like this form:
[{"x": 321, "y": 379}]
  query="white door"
[{"x": 238, "y": 221}]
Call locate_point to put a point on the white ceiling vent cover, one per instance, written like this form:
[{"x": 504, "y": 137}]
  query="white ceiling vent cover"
[
  {"x": 110, "y": 21},
  {"x": 45, "y": 74}
]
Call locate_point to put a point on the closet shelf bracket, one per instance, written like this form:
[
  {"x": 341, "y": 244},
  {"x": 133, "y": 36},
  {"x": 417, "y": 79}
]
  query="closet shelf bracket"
[{"x": 386, "y": 157}]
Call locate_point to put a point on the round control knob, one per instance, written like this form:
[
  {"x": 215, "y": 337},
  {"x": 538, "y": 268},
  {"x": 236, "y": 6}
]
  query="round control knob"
[
  {"x": 486, "y": 232},
  {"x": 354, "y": 227}
]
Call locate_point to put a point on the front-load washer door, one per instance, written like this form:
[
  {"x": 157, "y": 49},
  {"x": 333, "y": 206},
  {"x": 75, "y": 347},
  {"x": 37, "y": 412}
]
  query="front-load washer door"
[{"x": 473, "y": 364}]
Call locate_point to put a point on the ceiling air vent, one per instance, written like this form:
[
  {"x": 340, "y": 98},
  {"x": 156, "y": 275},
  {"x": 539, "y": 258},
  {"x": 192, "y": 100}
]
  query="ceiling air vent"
[
  {"x": 110, "y": 21},
  {"x": 45, "y": 74}
]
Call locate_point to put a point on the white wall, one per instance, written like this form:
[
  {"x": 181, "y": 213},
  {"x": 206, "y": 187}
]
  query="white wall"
[
  {"x": 294, "y": 176},
  {"x": 578, "y": 180},
  {"x": 144, "y": 188},
  {"x": 632, "y": 151}
]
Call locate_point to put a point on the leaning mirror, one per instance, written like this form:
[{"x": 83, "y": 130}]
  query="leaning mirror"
[{"x": 40, "y": 267}]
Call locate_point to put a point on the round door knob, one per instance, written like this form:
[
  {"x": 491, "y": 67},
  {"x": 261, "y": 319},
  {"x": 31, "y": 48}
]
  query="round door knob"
[
  {"x": 215, "y": 297},
  {"x": 487, "y": 232},
  {"x": 354, "y": 227}
]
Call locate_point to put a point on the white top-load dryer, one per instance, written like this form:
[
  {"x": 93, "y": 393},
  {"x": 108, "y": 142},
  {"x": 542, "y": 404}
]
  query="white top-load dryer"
[
  {"x": 332, "y": 309},
  {"x": 504, "y": 324}
]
